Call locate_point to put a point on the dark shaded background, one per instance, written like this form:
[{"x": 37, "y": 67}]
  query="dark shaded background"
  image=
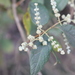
[{"x": 13, "y": 62}]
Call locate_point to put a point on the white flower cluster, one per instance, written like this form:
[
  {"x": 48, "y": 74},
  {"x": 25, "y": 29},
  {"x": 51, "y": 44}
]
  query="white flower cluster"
[
  {"x": 57, "y": 14},
  {"x": 23, "y": 47},
  {"x": 67, "y": 44},
  {"x": 41, "y": 39},
  {"x": 66, "y": 18},
  {"x": 54, "y": 5},
  {"x": 31, "y": 39},
  {"x": 71, "y": 3},
  {"x": 55, "y": 45},
  {"x": 37, "y": 17}
]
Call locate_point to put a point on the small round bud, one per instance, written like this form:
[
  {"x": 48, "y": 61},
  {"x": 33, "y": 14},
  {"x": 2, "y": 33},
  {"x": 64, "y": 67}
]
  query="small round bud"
[
  {"x": 68, "y": 51},
  {"x": 20, "y": 48},
  {"x": 37, "y": 22},
  {"x": 59, "y": 49},
  {"x": 53, "y": 43},
  {"x": 35, "y": 4},
  {"x": 68, "y": 47},
  {"x": 39, "y": 26},
  {"x": 63, "y": 16},
  {"x": 26, "y": 49},
  {"x": 34, "y": 47},
  {"x": 30, "y": 44},
  {"x": 37, "y": 13},
  {"x": 38, "y": 32},
  {"x": 44, "y": 42},
  {"x": 62, "y": 52},
  {"x": 50, "y": 38},
  {"x": 24, "y": 44},
  {"x": 41, "y": 39}
]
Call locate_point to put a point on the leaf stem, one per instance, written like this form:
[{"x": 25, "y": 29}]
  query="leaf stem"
[{"x": 52, "y": 26}]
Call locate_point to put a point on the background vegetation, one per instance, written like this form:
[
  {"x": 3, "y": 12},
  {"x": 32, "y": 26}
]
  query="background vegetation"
[{"x": 13, "y": 62}]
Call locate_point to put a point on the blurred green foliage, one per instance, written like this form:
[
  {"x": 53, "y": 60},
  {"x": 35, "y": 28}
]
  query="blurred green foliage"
[{"x": 5, "y": 20}]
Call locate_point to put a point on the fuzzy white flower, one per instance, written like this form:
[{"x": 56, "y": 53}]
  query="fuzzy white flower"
[
  {"x": 37, "y": 13},
  {"x": 44, "y": 43},
  {"x": 56, "y": 11},
  {"x": 35, "y": 4},
  {"x": 59, "y": 49},
  {"x": 23, "y": 47},
  {"x": 53, "y": 43},
  {"x": 50, "y": 38},
  {"x": 34, "y": 47},
  {"x": 24, "y": 44},
  {"x": 68, "y": 47},
  {"x": 66, "y": 43},
  {"x": 38, "y": 31},
  {"x": 63, "y": 16},
  {"x": 37, "y": 22},
  {"x": 30, "y": 37},
  {"x": 68, "y": 51},
  {"x": 62, "y": 52},
  {"x": 72, "y": 5},
  {"x": 20, "y": 48},
  {"x": 73, "y": 21},
  {"x": 40, "y": 39},
  {"x": 37, "y": 18},
  {"x": 36, "y": 9},
  {"x": 30, "y": 44},
  {"x": 26, "y": 49},
  {"x": 56, "y": 46},
  {"x": 39, "y": 26},
  {"x": 57, "y": 14}
]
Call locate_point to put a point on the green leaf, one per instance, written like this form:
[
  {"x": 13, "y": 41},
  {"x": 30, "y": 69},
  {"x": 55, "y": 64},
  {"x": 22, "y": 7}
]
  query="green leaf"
[
  {"x": 49, "y": 7},
  {"x": 61, "y": 4},
  {"x": 38, "y": 1},
  {"x": 69, "y": 31},
  {"x": 43, "y": 13},
  {"x": 26, "y": 21},
  {"x": 55, "y": 32},
  {"x": 29, "y": 26},
  {"x": 39, "y": 57}
]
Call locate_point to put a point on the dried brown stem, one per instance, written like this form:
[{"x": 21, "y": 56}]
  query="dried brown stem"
[
  {"x": 20, "y": 2},
  {"x": 17, "y": 21}
]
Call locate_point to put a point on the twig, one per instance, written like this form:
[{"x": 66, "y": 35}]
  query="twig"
[
  {"x": 18, "y": 3},
  {"x": 49, "y": 28},
  {"x": 17, "y": 20},
  {"x": 39, "y": 73}
]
